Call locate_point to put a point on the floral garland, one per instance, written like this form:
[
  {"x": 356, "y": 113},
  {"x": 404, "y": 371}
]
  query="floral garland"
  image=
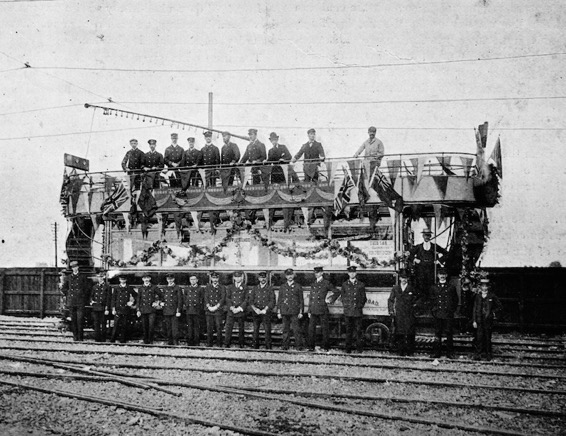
[{"x": 466, "y": 223}]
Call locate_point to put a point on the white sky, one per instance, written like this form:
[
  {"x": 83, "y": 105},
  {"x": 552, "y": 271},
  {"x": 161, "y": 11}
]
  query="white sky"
[{"x": 529, "y": 226}]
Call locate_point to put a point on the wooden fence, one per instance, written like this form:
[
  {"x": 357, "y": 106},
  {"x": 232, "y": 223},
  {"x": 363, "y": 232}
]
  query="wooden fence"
[{"x": 29, "y": 291}]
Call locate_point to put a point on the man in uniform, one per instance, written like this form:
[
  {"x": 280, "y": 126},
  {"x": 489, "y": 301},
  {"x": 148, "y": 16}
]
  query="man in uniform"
[
  {"x": 279, "y": 153},
  {"x": 172, "y": 302},
  {"x": 374, "y": 150},
  {"x": 402, "y": 304},
  {"x": 173, "y": 157},
  {"x": 236, "y": 303},
  {"x": 486, "y": 307},
  {"x": 290, "y": 307},
  {"x": 133, "y": 163},
  {"x": 425, "y": 256},
  {"x": 123, "y": 299},
  {"x": 210, "y": 158},
  {"x": 230, "y": 155},
  {"x": 147, "y": 300},
  {"x": 192, "y": 158},
  {"x": 444, "y": 304},
  {"x": 353, "y": 293},
  {"x": 262, "y": 301},
  {"x": 321, "y": 290},
  {"x": 255, "y": 154},
  {"x": 100, "y": 300},
  {"x": 76, "y": 291},
  {"x": 314, "y": 154},
  {"x": 153, "y": 164},
  {"x": 214, "y": 301},
  {"x": 193, "y": 303}
]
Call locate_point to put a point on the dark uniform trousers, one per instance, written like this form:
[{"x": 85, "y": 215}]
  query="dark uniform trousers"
[
  {"x": 324, "y": 326},
  {"x": 120, "y": 328},
  {"x": 77, "y": 321},
  {"x": 443, "y": 326},
  {"x": 353, "y": 325},
  {"x": 230, "y": 320},
  {"x": 291, "y": 322},
  {"x": 266, "y": 321},
  {"x": 214, "y": 320},
  {"x": 483, "y": 338},
  {"x": 193, "y": 329},
  {"x": 172, "y": 329},
  {"x": 148, "y": 325},
  {"x": 99, "y": 324}
]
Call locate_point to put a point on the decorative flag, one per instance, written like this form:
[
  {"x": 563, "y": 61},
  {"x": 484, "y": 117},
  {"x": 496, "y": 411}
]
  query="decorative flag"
[
  {"x": 444, "y": 162},
  {"x": 355, "y": 168},
  {"x": 496, "y": 157},
  {"x": 118, "y": 197},
  {"x": 422, "y": 160},
  {"x": 342, "y": 197},
  {"x": 385, "y": 191},
  {"x": 146, "y": 201},
  {"x": 363, "y": 194},
  {"x": 64, "y": 196},
  {"x": 467, "y": 164},
  {"x": 441, "y": 183},
  {"x": 394, "y": 165}
]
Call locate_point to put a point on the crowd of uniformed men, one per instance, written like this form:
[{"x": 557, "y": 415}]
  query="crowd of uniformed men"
[{"x": 222, "y": 306}]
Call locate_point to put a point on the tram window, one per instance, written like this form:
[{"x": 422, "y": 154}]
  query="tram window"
[
  {"x": 277, "y": 278},
  {"x": 251, "y": 278},
  {"x": 376, "y": 280},
  {"x": 304, "y": 278}
]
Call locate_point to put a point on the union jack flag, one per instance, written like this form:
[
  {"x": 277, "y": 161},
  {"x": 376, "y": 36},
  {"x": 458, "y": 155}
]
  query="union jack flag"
[
  {"x": 343, "y": 195},
  {"x": 118, "y": 197}
]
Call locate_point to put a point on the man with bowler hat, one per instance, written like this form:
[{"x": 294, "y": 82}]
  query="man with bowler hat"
[
  {"x": 262, "y": 302},
  {"x": 290, "y": 307},
  {"x": 76, "y": 290},
  {"x": 320, "y": 293},
  {"x": 173, "y": 157},
  {"x": 236, "y": 304},
  {"x": 313, "y": 155},
  {"x": 100, "y": 300}
]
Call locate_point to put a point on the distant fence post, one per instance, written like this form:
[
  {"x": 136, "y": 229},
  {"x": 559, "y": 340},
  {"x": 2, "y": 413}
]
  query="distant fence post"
[
  {"x": 2, "y": 292},
  {"x": 42, "y": 294}
]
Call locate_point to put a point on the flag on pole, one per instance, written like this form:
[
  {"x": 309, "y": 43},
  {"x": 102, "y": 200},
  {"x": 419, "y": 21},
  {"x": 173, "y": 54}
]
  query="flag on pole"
[
  {"x": 363, "y": 194},
  {"x": 342, "y": 197},
  {"x": 496, "y": 157},
  {"x": 385, "y": 191},
  {"x": 117, "y": 198}
]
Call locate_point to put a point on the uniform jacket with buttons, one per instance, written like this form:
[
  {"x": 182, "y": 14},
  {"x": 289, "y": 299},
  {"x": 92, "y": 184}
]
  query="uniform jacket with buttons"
[
  {"x": 317, "y": 297},
  {"x": 230, "y": 153},
  {"x": 444, "y": 300},
  {"x": 147, "y": 295},
  {"x": 291, "y": 300},
  {"x": 100, "y": 297},
  {"x": 154, "y": 159},
  {"x": 255, "y": 151},
  {"x": 171, "y": 299},
  {"x": 353, "y": 297},
  {"x": 193, "y": 300},
  {"x": 173, "y": 154},
  {"x": 120, "y": 297},
  {"x": 237, "y": 296},
  {"x": 213, "y": 296},
  {"x": 485, "y": 309},
  {"x": 133, "y": 160},
  {"x": 260, "y": 297},
  {"x": 191, "y": 157},
  {"x": 210, "y": 155},
  {"x": 77, "y": 290}
]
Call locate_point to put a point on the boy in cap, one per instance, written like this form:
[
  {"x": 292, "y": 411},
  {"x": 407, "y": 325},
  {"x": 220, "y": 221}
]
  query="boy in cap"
[
  {"x": 193, "y": 303},
  {"x": 76, "y": 291},
  {"x": 290, "y": 307},
  {"x": 262, "y": 303},
  {"x": 214, "y": 301},
  {"x": 236, "y": 303},
  {"x": 153, "y": 164},
  {"x": 172, "y": 302},
  {"x": 444, "y": 304},
  {"x": 147, "y": 301},
  {"x": 173, "y": 157},
  {"x": 132, "y": 164},
  {"x": 486, "y": 307},
  {"x": 402, "y": 303},
  {"x": 353, "y": 293},
  {"x": 123, "y": 299},
  {"x": 374, "y": 150},
  {"x": 100, "y": 300},
  {"x": 314, "y": 154},
  {"x": 425, "y": 256},
  {"x": 321, "y": 290}
]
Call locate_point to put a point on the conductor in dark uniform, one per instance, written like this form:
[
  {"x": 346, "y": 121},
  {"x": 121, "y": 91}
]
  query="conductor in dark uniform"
[
  {"x": 353, "y": 294},
  {"x": 425, "y": 256},
  {"x": 313, "y": 154},
  {"x": 262, "y": 302},
  {"x": 76, "y": 290},
  {"x": 320, "y": 293},
  {"x": 173, "y": 158},
  {"x": 192, "y": 159},
  {"x": 236, "y": 304},
  {"x": 193, "y": 304},
  {"x": 230, "y": 155},
  {"x": 214, "y": 302},
  {"x": 123, "y": 298},
  {"x": 290, "y": 307},
  {"x": 402, "y": 304},
  {"x": 255, "y": 154},
  {"x": 100, "y": 300},
  {"x": 444, "y": 304},
  {"x": 172, "y": 301},
  {"x": 486, "y": 307},
  {"x": 153, "y": 164},
  {"x": 146, "y": 301},
  {"x": 210, "y": 158},
  {"x": 133, "y": 163}
]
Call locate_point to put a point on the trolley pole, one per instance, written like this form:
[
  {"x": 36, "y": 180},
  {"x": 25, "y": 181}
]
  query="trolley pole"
[{"x": 210, "y": 110}]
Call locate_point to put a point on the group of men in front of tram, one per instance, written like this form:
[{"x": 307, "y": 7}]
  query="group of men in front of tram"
[
  {"x": 223, "y": 306},
  {"x": 183, "y": 164}
]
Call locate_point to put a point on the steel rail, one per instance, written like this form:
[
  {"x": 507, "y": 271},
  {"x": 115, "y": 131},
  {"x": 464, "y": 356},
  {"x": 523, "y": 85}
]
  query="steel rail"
[
  {"x": 136, "y": 408},
  {"x": 296, "y": 362},
  {"x": 305, "y": 375},
  {"x": 294, "y": 353}
]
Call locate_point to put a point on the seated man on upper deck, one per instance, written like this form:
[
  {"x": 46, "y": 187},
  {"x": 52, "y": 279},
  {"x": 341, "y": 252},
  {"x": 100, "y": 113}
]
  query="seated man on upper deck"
[
  {"x": 314, "y": 154},
  {"x": 132, "y": 164},
  {"x": 153, "y": 164},
  {"x": 374, "y": 150}
]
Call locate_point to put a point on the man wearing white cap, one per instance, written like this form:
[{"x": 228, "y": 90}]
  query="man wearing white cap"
[{"x": 374, "y": 150}]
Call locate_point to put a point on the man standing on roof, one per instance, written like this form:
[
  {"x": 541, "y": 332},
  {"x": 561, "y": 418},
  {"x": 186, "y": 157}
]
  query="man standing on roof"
[
  {"x": 374, "y": 150},
  {"x": 173, "y": 158},
  {"x": 153, "y": 164},
  {"x": 425, "y": 256},
  {"x": 230, "y": 155},
  {"x": 313, "y": 155},
  {"x": 192, "y": 158},
  {"x": 210, "y": 158},
  {"x": 279, "y": 154},
  {"x": 255, "y": 154},
  {"x": 133, "y": 163},
  {"x": 77, "y": 291}
]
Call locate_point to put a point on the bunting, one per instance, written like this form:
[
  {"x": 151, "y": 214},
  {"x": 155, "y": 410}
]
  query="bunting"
[
  {"x": 342, "y": 197},
  {"x": 467, "y": 164},
  {"x": 118, "y": 197},
  {"x": 285, "y": 169},
  {"x": 394, "y": 166},
  {"x": 444, "y": 162},
  {"x": 385, "y": 191},
  {"x": 441, "y": 183},
  {"x": 355, "y": 168},
  {"x": 422, "y": 160}
]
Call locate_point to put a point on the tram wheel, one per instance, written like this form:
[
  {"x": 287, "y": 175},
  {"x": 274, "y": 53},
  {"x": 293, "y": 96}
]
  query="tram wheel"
[{"x": 377, "y": 334}]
